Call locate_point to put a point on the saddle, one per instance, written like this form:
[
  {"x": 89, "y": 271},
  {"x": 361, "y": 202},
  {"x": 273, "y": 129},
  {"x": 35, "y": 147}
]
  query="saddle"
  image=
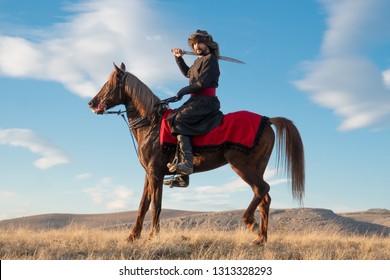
[{"x": 239, "y": 130}]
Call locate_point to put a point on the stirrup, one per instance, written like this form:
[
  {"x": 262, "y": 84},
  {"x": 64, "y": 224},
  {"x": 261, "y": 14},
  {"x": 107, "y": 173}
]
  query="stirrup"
[
  {"x": 178, "y": 181},
  {"x": 172, "y": 166}
]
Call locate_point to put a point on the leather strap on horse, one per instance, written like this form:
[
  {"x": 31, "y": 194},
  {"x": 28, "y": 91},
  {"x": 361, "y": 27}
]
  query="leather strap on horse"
[
  {"x": 176, "y": 158},
  {"x": 135, "y": 124}
]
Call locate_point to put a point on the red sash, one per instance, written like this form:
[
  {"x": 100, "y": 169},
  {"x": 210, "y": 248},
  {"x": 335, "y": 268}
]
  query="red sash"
[{"x": 206, "y": 92}]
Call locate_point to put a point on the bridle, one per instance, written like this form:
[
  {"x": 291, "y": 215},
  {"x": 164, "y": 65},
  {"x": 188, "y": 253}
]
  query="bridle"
[
  {"x": 137, "y": 123},
  {"x": 120, "y": 77}
]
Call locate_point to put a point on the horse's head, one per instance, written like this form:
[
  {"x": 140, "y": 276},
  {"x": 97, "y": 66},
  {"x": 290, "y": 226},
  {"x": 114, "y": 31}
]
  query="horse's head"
[{"x": 110, "y": 95}]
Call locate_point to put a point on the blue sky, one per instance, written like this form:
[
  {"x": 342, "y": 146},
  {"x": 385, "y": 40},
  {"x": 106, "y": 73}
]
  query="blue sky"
[{"x": 323, "y": 64}]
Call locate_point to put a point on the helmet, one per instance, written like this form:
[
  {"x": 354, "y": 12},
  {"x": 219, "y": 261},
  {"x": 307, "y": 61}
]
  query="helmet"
[{"x": 202, "y": 36}]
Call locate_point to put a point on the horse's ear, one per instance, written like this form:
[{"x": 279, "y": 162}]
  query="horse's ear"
[
  {"x": 117, "y": 69},
  {"x": 122, "y": 69}
]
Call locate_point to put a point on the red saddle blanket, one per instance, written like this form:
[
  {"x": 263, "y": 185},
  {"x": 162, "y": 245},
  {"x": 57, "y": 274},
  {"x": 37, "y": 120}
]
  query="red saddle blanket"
[{"x": 240, "y": 130}]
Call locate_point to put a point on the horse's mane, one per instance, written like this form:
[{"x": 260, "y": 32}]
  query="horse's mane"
[{"x": 142, "y": 97}]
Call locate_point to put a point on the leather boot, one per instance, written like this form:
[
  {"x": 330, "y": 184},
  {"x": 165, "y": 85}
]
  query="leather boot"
[
  {"x": 185, "y": 167},
  {"x": 180, "y": 181}
]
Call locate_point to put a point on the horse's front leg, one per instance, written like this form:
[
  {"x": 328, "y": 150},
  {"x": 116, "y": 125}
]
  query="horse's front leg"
[
  {"x": 142, "y": 209},
  {"x": 156, "y": 190}
]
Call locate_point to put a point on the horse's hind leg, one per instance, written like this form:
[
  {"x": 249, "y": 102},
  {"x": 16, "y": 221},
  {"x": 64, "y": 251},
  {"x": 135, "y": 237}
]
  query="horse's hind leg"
[
  {"x": 249, "y": 216},
  {"x": 264, "y": 215},
  {"x": 262, "y": 200},
  {"x": 251, "y": 169}
]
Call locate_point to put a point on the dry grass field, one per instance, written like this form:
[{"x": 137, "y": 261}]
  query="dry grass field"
[
  {"x": 294, "y": 234},
  {"x": 74, "y": 243}
]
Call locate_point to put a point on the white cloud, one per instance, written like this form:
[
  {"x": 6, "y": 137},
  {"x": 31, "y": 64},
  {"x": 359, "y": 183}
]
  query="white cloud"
[
  {"x": 238, "y": 185},
  {"x": 83, "y": 176},
  {"x": 120, "y": 198},
  {"x": 113, "y": 196},
  {"x": 386, "y": 78},
  {"x": 213, "y": 197},
  {"x": 79, "y": 52},
  {"x": 25, "y": 138},
  {"x": 5, "y": 196},
  {"x": 345, "y": 78}
]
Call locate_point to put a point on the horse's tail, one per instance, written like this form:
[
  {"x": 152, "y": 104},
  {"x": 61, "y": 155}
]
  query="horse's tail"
[{"x": 292, "y": 157}]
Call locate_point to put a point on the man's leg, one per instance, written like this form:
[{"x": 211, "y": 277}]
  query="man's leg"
[{"x": 185, "y": 167}]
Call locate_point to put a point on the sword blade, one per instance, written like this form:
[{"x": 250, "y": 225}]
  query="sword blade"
[
  {"x": 231, "y": 59},
  {"x": 220, "y": 57}
]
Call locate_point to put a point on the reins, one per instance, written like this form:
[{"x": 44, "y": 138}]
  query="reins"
[
  {"x": 132, "y": 125},
  {"x": 122, "y": 114},
  {"x": 136, "y": 123}
]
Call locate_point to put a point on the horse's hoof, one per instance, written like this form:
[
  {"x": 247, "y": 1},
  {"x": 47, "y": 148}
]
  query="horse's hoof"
[
  {"x": 259, "y": 241},
  {"x": 254, "y": 227},
  {"x": 132, "y": 238}
]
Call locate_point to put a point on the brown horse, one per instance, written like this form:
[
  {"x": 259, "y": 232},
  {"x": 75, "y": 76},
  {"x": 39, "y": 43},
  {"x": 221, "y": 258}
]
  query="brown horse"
[{"x": 144, "y": 118}]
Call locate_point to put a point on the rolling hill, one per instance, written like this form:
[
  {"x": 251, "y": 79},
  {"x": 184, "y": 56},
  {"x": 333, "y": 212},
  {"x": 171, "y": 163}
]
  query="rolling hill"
[{"x": 375, "y": 221}]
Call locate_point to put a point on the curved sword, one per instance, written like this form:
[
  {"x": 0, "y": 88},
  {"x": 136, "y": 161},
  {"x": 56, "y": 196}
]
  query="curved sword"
[{"x": 219, "y": 57}]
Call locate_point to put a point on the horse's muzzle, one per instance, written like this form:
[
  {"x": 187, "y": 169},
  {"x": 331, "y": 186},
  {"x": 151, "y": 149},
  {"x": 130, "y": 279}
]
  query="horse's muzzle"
[{"x": 99, "y": 109}]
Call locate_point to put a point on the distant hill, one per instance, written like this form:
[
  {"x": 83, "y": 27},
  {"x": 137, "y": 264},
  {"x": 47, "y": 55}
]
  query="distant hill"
[
  {"x": 107, "y": 220},
  {"x": 376, "y": 216},
  {"x": 375, "y": 221},
  {"x": 296, "y": 220}
]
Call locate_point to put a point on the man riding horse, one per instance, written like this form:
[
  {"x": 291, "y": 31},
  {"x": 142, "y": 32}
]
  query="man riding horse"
[{"x": 201, "y": 113}]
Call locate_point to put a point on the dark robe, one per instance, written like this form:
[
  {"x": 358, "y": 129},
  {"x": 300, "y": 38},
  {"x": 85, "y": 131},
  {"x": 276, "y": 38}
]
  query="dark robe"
[{"x": 200, "y": 113}]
